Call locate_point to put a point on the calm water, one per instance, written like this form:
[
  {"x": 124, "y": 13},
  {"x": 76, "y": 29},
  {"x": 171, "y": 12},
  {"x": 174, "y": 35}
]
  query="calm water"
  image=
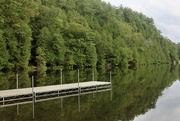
[{"x": 145, "y": 94}]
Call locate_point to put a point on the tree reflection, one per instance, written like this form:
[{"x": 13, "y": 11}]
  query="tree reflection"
[{"x": 134, "y": 93}]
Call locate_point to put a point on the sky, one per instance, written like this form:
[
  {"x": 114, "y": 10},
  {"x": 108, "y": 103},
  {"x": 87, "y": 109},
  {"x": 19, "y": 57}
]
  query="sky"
[{"x": 166, "y": 14}]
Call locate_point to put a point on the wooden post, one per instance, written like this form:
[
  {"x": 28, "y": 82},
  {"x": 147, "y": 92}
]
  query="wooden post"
[{"x": 17, "y": 81}]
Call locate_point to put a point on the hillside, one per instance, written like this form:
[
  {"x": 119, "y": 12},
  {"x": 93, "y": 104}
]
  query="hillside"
[{"x": 78, "y": 33}]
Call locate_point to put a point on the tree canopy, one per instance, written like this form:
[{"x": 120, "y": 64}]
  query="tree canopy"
[{"x": 77, "y": 33}]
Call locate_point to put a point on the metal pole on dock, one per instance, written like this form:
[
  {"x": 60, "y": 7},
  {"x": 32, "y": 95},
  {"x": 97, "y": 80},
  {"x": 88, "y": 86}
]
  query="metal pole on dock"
[
  {"x": 33, "y": 94},
  {"x": 17, "y": 109},
  {"x": 79, "y": 92},
  {"x": 93, "y": 80},
  {"x": 93, "y": 94},
  {"x": 61, "y": 76},
  {"x": 61, "y": 84},
  {"x": 111, "y": 93},
  {"x": 33, "y": 85},
  {"x": 79, "y": 103},
  {"x": 111, "y": 85},
  {"x": 3, "y": 100},
  {"x": 17, "y": 88},
  {"x": 33, "y": 107},
  {"x": 78, "y": 78},
  {"x": 110, "y": 77},
  {"x": 61, "y": 103},
  {"x": 17, "y": 81}
]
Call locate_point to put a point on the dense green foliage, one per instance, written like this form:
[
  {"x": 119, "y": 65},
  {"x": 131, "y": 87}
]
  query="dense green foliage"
[{"x": 78, "y": 33}]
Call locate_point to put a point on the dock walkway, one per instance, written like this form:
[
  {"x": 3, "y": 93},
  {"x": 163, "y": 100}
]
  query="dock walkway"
[{"x": 40, "y": 93}]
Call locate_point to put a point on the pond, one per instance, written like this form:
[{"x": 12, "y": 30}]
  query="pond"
[{"x": 150, "y": 93}]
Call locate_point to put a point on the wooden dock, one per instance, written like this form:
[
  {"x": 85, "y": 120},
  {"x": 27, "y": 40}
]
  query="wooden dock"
[{"x": 36, "y": 94}]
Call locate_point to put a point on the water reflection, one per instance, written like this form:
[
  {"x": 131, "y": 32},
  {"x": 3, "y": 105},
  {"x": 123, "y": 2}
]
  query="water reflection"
[
  {"x": 167, "y": 106},
  {"x": 136, "y": 93},
  {"x": 140, "y": 89},
  {"x": 52, "y": 100}
]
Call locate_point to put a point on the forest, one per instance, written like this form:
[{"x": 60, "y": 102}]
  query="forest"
[{"x": 78, "y": 34}]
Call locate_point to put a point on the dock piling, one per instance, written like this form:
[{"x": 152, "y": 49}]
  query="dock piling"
[
  {"x": 78, "y": 78},
  {"x": 61, "y": 103},
  {"x": 32, "y": 84},
  {"x": 79, "y": 103},
  {"x": 17, "y": 81},
  {"x": 61, "y": 76},
  {"x": 33, "y": 108},
  {"x": 111, "y": 85},
  {"x": 3, "y": 100},
  {"x": 110, "y": 77},
  {"x": 79, "y": 90},
  {"x": 17, "y": 109}
]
